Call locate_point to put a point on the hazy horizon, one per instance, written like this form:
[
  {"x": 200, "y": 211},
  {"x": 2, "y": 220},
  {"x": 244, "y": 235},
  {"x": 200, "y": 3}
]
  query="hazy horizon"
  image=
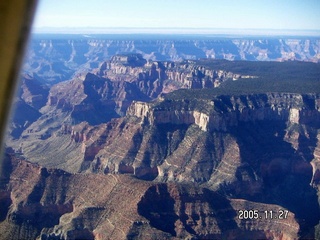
[
  {"x": 178, "y": 31},
  {"x": 179, "y": 17}
]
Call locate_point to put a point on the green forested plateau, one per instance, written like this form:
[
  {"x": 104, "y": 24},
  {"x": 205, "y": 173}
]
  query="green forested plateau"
[{"x": 286, "y": 77}]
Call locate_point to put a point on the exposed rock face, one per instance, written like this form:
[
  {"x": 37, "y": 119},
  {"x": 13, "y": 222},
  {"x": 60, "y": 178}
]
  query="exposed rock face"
[
  {"x": 53, "y": 204},
  {"x": 19, "y": 122},
  {"x": 316, "y": 162},
  {"x": 32, "y": 95},
  {"x": 56, "y": 58},
  {"x": 204, "y": 158},
  {"x": 258, "y": 147},
  {"x": 97, "y": 98},
  {"x": 132, "y": 60},
  {"x": 223, "y": 113},
  {"x": 149, "y": 114},
  {"x": 154, "y": 77},
  {"x": 190, "y": 208},
  {"x": 101, "y": 97},
  {"x": 221, "y": 117},
  {"x": 108, "y": 92},
  {"x": 33, "y": 92}
]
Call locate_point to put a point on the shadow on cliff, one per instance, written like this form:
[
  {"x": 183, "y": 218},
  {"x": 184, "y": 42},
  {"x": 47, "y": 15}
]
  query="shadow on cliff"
[
  {"x": 26, "y": 216},
  {"x": 284, "y": 173},
  {"x": 42, "y": 209},
  {"x": 183, "y": 210},
  {"x": 158, "y": 207},
  {"x": 156, "y": 143},
  {"x": 5, "y": 198}
]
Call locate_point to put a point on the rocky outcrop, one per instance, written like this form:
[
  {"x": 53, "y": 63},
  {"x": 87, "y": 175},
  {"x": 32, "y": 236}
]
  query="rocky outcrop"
[
  {"x": 49, "y": 204},
  {"x": 224, "y": 112},
  {"x": 97, "y": 98},
  {"x": 20, "y": 122},
  {"x": 100, "y": 97},
  {"x": 132, "y": 60},
  {"x": 138, "y": 142},
  {"x": 189, "y": 208},
  {"x": 33, "y": 92},
  {"x": 259, "y": 147},
  {"x": 107, "y": 125},
  {"x": 108, "y": 92},
  {"x": 31, "y": 96},
  {"x": 148, "y": 113},
  {"x": 121, "y": 81},
  {"x": 259, "y": 142},
  {"x": 154, "y": 77},
  {"x": 58, "y": 58}
]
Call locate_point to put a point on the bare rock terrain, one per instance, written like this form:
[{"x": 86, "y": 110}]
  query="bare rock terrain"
[
  {"x": 95, "y": 206},
  {"x": 259, "y": 147},
  {"x": 56, "y": 58},
  {"x": 140, "y": 148}
]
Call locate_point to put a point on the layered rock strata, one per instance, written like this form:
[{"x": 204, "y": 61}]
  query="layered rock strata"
[
  {"x": 140, "y": 130},
  {"x": 57, "y": 58},
  {"x": 173, "y": 75},
  {"x": 50, "y": 204},
  {"x": 223, "y": 113}
]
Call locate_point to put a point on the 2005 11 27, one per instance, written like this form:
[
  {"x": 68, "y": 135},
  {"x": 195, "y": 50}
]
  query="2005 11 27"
[{"x": 267, "y": 214}]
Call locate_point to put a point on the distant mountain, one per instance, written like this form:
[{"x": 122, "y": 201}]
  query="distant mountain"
[{"x": 57, "y": 57}]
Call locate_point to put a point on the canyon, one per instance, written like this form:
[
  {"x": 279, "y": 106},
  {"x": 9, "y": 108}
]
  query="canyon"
[
  {"x": 73, "y": 206},
  {"x": 136, "y": 145},
  {"x": 56, "y": 58}
]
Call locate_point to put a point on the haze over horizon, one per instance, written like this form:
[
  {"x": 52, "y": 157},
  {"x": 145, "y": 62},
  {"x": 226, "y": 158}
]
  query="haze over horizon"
[{"x": 188, "y": 16}]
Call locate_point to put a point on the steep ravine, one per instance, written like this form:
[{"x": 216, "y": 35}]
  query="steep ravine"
[
  {"x": 96, "y": 206},
  {"x": 118, "y": 153},
  {"x": 260, "y": 147},
  {"x": 216, "y": 126}
]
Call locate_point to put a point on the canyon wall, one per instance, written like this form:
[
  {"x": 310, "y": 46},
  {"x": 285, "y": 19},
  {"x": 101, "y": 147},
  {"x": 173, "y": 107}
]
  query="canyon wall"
[
  {"x": 56, "y": 58},
  {"x": 41, "y": 203},
  {"x": 225, "y": 112},
  {"x": 204, "y": 155}
]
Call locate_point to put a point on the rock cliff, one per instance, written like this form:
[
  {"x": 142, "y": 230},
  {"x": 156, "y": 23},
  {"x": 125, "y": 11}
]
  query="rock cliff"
[
  {"x": 233, "y": 150},
  {"x": 260, "y": 147},
  {"x": 107, "y": 92},
  {"x": 154, "y": 77},
  {"x": 223, "y": 112},
  {"x": 31, "y": 96},
  {"x": 58, "y": 205},
  {"x": 57, "y": 58}
]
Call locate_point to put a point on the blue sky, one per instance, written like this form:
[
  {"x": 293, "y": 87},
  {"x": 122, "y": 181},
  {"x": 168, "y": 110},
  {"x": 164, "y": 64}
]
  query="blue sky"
[{"x": 95, "y": 15}]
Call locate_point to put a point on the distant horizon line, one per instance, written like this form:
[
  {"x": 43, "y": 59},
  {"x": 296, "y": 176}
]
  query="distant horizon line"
[{"x": 173, "y": 30}]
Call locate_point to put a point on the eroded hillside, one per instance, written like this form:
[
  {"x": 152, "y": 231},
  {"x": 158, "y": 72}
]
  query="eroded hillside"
[
  {"x": 56, "y": 57},
  {"x": 95, "y": 206},
  {"x": 175, "y": 149}
]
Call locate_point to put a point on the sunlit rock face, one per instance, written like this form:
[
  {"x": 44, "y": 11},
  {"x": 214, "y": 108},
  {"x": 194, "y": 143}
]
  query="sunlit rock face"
[
  {"x": 114, "y": 133},
  {"x": 41, "y": 203},
  {"x": 155, "y": 76},
  {"x": 56, "y": 59},
  {"x": 153, "y": 136},
  {"x": 258, "y": 147}
]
